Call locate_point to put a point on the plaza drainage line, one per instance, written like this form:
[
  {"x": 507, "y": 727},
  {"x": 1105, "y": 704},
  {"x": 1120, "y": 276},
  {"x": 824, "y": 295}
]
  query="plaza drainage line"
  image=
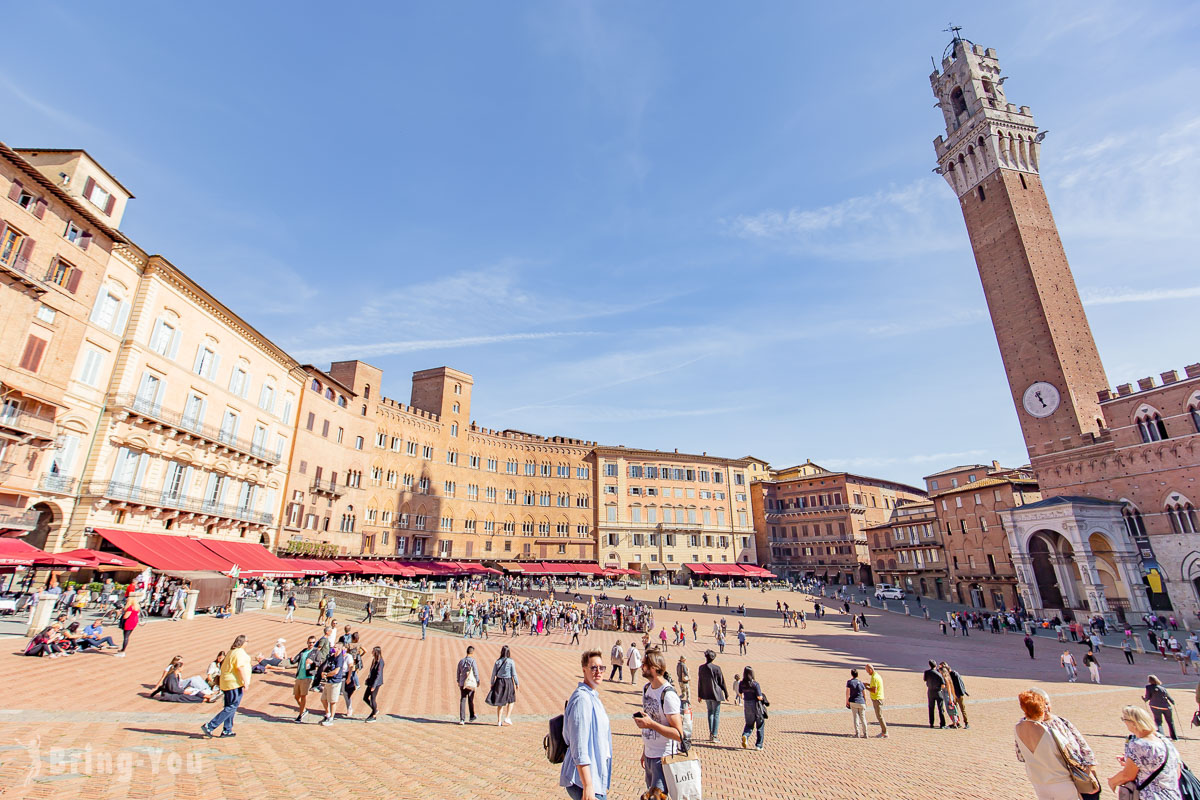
[{"x": 146, "y": 717}]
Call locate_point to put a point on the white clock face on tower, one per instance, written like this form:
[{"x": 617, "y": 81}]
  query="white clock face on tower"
[{"x": 1041, "y": 399}]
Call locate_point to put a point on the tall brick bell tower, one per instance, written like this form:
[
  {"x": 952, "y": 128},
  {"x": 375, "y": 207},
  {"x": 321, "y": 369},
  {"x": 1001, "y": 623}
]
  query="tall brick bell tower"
[{"x": 990, "y": 158}]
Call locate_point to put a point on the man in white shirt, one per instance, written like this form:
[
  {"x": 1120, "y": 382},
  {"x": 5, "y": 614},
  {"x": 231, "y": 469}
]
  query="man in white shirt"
[
  {"x": 661, "y": 723},
  {"x": 634, "y": 662},
  {"x": 1068, "y": 663}
]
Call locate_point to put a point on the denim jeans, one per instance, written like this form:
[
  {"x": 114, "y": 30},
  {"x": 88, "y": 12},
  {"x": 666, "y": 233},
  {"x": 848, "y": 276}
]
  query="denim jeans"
[
  {"x": 576, "y": 793},
  {"x": 759, "y": 738},
  {"x": 224, "y": 717},
  {"x": 714, "y": 716},
  {"x": 654, "y": 774}
]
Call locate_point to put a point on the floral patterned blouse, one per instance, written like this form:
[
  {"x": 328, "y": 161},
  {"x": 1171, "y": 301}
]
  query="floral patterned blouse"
[
  {"x": 1071, "y": 737},
  {"x": 1148, "y": 753}
]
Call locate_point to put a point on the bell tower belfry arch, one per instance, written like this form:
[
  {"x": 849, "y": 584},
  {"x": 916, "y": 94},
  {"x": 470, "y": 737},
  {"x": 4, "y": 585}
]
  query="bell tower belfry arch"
[{"x": 990, "y": 157}]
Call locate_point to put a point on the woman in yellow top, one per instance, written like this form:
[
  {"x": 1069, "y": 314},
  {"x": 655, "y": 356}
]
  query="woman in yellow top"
[{"x": 235, "y": 677}]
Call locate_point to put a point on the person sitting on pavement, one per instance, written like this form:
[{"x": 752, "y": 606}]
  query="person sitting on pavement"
[
  {"x": 94, "y": 638},
  {"x": 278, "y": 657},
  {"x": 175, "y": 689}
]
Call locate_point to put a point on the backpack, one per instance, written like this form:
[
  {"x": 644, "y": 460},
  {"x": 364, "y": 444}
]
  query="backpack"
[{"x": 554, "y": 743}]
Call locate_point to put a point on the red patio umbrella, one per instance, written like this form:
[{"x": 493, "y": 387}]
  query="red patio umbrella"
[
  {"x": 65, "y": 560},
  {"x": 104, "y": 559}
]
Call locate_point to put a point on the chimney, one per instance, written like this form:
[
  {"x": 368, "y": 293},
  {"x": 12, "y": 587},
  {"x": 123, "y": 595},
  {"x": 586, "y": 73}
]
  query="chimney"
[{"x": 995, "y": 464}]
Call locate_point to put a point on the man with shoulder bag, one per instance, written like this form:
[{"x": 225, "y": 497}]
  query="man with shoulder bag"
[
  {"x": 467, "y": 675},
  {"x": 660, "y": 721}
]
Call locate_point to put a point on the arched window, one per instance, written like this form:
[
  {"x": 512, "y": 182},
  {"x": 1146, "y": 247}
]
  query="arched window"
[
  {"x": 1182, "y": 516},
  {"x": 1151, "y": 426},
  {"x": 1194, "y": 413},
  {"x": 341, "y": 401},
  {"x": 329, "y": 394},
  {"x": 958, "y": 102},
  {"x": 1133, "y": 521}
]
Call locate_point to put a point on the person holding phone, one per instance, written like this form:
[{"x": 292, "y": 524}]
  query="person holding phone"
[{"x": 660, "y": 721}]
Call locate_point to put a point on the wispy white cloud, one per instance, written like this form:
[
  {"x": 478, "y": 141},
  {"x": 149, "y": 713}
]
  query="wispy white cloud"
[
  {"x": 904, "y": 327},
  {"x": 894, "y": 223},
  {"x": 360, "y": 350},
  {"x": 1108, "y": 297},
  {"x": 52, "y": 112}
]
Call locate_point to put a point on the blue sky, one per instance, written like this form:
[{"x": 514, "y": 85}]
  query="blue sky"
[{"x": 705, "y": 226}]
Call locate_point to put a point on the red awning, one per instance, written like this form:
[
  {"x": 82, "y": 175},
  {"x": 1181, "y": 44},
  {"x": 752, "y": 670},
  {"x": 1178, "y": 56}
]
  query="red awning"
[
  {"x": 590, "y": 569},
  {"x": 306, "y": 566},
  {"x": 699, "y": 569},
  {"x": 418, "y": 567},
  {"x": 345, "y": 566},
  {"x": 166, "y": 552},
  {"x": 252, "y": 560},
  {"x": 14, "y": 552}
]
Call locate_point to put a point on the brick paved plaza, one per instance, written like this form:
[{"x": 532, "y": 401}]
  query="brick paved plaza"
[{"x": 55, "y": 710}]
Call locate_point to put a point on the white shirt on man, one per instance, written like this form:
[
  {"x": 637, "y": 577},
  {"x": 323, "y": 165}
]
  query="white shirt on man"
[{"x": 659, "y": 704}]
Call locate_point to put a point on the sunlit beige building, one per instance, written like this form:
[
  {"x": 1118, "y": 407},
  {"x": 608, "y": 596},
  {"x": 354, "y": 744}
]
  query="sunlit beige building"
[{"x": 658, "y": 511}]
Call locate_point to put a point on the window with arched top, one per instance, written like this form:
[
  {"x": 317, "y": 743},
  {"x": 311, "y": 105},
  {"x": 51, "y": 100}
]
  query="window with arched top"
[
  {"x": 1194, "y": 412},
  {"x": 315, "y": 386},
  {"x": 458, "y": 388},
  {"x": 329, "y": 394},
  {"x": 1182, "y": 516},
  {"x": 367, "y": 392},
  {"x": 1151, "y": 426},
  {"x": 341, "y": 401},
  {"x": 958, "y": 101}
]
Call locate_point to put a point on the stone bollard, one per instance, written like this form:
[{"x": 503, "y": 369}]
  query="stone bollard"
[
  {"x": 42, "y": 613},
  {"x": 189, "y": 608},
  {"x": 1137, "y": 644},
  {"x": 883, "y": 605},
  {"x": 926, "y": 613},
  {"x": 268, "y": 594},
  {"x": 907, "y": 613}
]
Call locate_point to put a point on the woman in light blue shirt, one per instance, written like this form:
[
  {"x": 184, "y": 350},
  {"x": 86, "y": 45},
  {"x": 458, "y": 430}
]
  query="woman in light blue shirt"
[{"x": 587, "y": 767}]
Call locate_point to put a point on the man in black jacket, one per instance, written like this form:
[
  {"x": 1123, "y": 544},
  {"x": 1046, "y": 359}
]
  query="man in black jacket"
[
  {"x": 712, "y": 690},
  {"x": 933, "y": 693},
  {"x": 960, "y": 689}
]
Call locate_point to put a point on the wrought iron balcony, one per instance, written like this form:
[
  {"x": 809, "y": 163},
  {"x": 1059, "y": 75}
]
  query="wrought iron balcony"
[
  {"x": 27, "y": 423},
  {"x": 58, "y": 484},
  {"x": 125, "y": 493},
  {"x": 185, "y": 423},
  {"x": 327, "y": 487},
  {"x": 18, "y": 520},
  {"x": 19, "y": 268}
]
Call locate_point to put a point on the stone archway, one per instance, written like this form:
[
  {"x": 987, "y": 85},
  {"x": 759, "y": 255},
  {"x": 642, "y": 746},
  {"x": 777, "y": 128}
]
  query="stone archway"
[
  {"x": 1046, "y": 550},
  {"x": 46, "y": 531}
]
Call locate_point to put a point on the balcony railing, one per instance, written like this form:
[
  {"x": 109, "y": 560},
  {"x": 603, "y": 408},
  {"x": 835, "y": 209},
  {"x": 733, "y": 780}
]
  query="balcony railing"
[
  {"x": 853, "y": 508},
  {"x": 59, "y": 484},
  {"x": 189, "y": 424},
  {"x": 124, "y": 492},
  {"x": 19, "y": 268},
  {"x": 27, "y": 423},
  {"x": 18, "y": 520},
  {"x": 680, "y": 526},
  {"x": 327, "y": 487}
]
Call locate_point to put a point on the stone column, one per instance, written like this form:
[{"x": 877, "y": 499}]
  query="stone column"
[
  {"x": 1066, "y": 580},
  {"x": 1026, "y": 584},
  {"x": 42, "y": 613},
  {"x": 189, "y": 609},
  {"x": 268, "y": 594},
  {"x": 1097, "y": 602}
]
